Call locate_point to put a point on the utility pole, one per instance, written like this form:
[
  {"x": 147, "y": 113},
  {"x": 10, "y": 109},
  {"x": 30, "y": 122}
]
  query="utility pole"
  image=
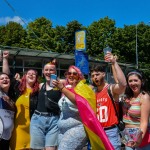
[{"x": 137, "y": 63}]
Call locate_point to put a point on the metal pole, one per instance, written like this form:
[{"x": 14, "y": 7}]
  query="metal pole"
[{"x": 137, "y": 63}]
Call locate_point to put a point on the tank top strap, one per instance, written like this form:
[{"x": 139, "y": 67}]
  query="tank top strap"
[
  {"x": 138, "y": 98},
  {"x": 43, "y": 88},
  {"x": 104, "y": 89}
]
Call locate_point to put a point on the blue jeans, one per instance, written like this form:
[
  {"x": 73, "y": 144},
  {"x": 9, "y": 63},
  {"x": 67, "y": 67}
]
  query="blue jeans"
[
  {"x": 114, "y": 137},
  {"x": 89, "y": 146},
  {"x": 43, "y": 131}
]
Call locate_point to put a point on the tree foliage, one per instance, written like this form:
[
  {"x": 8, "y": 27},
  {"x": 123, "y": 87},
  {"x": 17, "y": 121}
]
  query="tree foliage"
[
  {"x": 13, "y": 34},
  {"x": 99, "y": 35},
  {"x": 69, "y": 38},
  {"x": 41, "y": 35},
  {"x": 59, "y": 38}
]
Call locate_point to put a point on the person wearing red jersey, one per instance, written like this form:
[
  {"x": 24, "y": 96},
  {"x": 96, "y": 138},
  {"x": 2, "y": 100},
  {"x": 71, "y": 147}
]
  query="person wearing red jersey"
[{"x": 105, "y": 109}]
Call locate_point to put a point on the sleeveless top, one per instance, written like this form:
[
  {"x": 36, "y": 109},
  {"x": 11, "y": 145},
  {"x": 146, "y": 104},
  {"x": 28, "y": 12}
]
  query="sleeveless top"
[
  {"x": 105, "y": 109},
  {"x": 53, "y": 94},
  {"x": 132, "y": 111},
  {"x": 69, "y": 117},
  {"x": 65, "y": 104}
]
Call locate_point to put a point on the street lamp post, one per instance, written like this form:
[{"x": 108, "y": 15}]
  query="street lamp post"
[{"x": 137, "y": 63}]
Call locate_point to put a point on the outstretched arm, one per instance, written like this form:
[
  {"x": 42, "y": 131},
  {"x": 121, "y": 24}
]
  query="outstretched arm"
[
  {"x": 120, "y": 86},
  {"x": 114, "y": 71},
  {"x": 5, "y": 68},
  {"x": 116, "y": 96}
]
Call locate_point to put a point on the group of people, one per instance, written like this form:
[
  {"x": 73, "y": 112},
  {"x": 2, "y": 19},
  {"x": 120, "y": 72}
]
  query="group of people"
[{"x": 48, "y": 118}]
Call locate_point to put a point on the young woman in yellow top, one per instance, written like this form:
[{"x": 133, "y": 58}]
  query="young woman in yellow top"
[{"x": 24, "y": 93}]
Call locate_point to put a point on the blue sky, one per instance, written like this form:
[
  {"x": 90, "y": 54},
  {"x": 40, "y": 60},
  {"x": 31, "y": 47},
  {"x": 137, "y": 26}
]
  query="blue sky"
[{"x": 60, "y": 12}]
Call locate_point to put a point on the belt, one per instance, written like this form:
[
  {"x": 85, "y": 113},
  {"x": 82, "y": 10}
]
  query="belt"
[
  {"x": 46, "y": 114},
  {"x": 111, "y": 127}
]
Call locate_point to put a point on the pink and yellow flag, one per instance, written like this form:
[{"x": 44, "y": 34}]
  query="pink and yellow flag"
[{"x": 86, "y": 103}]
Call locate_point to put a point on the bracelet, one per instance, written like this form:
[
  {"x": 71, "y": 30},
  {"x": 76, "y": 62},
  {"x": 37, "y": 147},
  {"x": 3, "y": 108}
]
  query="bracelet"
[{"x": 62, "y": 88}]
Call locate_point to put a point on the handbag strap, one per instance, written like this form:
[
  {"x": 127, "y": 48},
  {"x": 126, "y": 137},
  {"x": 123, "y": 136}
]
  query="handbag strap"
[
  {"x": 44, "y": 89},
  {"x": 45, "y": 94},
  {"x": 112, "y": 99}
]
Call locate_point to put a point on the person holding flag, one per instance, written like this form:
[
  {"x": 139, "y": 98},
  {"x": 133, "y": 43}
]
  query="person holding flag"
[
  {"x": 70, "y": 126},
  {"x": 84, "y": 98}
]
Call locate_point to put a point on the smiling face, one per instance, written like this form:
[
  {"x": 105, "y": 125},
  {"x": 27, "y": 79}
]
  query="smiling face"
[
  {"x": 4, "y": 82},
  {"x": 72, "y": 76},
  {"x": 31, "y": 77},
  {"x": 134, "y": 83},
  {"x": 48, "y": 70}
]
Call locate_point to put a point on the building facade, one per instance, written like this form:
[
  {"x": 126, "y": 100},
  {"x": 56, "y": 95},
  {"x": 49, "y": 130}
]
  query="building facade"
[{"x": 22, "y": 59}]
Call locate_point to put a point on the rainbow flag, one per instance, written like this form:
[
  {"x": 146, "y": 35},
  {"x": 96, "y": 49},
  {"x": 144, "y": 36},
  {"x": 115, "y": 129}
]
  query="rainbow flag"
[{"x": 86, "y": 103}]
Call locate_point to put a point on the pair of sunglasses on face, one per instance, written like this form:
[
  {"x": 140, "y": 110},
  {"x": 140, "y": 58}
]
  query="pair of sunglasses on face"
[{"x": 71, "y": 73}]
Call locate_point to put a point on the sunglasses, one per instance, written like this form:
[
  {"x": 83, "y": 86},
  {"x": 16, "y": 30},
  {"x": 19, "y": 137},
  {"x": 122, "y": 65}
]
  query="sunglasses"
[{"x": 72, "y": 73}]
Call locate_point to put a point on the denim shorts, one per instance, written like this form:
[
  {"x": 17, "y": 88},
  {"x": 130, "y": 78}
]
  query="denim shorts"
[
  {"x": 131, "y": 134},
  {"x": 114, "y": 137},
  {"x": 147, "y": 147},
  {"x": 43, "y": 131}
]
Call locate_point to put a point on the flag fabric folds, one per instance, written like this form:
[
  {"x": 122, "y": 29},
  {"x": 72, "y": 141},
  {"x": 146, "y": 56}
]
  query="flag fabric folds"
[{"x": 86, "y": 103}]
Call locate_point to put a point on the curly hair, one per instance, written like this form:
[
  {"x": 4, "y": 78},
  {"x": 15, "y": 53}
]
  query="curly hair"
[
  {"x": 97, "y": 68},
  {"x": 22, "y": 85}
]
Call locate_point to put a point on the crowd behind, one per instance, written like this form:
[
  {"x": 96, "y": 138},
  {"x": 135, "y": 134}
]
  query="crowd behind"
[{"x": 45, "y": 116}]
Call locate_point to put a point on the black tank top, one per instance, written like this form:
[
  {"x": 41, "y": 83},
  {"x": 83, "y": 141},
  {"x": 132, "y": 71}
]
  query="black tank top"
[{"x": 53, "y": 94}]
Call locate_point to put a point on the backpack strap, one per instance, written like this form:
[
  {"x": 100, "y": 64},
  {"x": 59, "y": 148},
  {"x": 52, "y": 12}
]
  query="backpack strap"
[{"x": 112, "y": 99}]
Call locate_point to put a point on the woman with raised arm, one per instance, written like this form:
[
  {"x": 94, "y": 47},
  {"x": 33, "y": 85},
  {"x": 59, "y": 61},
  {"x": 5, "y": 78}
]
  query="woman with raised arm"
[{"x": 24, "y": 93}]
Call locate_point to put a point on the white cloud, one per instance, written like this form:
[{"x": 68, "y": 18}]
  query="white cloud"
[{"x": 5, "y": 20}]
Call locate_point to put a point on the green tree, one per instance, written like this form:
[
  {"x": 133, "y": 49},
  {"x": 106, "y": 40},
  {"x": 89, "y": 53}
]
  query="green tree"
[
  {"x": 99, "y": 35},
  {"x": 2, "y": 33},
  {"x": 59, "y": 39},
  {"x": 14, "y": 35},
  {"x": 143, "y": 42},
  {"x": 69, "y": 38},
  {"x": 40, "y": 34},
  {"x": 124, "y": 44}
]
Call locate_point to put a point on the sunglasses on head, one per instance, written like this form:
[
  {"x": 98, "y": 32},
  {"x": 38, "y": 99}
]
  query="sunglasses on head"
[{"x": 72, "y": 73}]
